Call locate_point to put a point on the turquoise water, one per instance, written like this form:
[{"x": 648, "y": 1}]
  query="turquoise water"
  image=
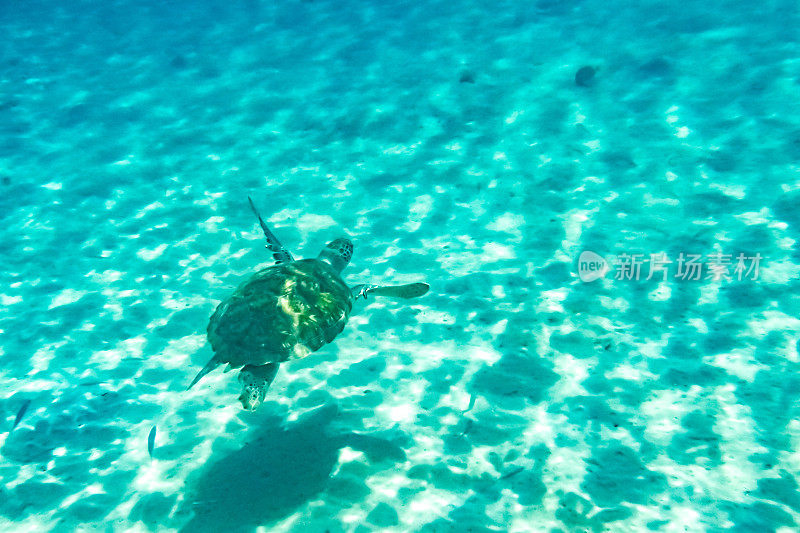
[{"x": 455, "y": 143}]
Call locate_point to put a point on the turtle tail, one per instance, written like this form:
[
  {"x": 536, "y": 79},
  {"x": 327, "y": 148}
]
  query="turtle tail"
[{"x": 211, "y": 365}]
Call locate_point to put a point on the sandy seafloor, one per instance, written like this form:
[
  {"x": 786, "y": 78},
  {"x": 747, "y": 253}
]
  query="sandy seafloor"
[{"x": 450, "y": 141}]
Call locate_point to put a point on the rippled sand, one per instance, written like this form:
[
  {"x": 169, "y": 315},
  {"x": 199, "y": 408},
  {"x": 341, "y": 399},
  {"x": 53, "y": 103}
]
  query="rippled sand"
[{"x": 451, "y": 143}]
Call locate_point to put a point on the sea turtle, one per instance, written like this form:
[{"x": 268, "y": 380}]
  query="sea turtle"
[{"x": 286, "y": 311}]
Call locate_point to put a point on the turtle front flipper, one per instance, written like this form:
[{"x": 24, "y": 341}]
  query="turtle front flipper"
[
  {"x": 255, "y": 380},
  {"x": 411, "y": 290},
  {"x": 279, "y": 253},
  {"x": 211, "y": 365}
]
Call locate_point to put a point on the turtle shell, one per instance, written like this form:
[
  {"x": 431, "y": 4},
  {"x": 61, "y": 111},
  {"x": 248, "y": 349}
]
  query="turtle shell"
[{"x": 282, "y": 312}]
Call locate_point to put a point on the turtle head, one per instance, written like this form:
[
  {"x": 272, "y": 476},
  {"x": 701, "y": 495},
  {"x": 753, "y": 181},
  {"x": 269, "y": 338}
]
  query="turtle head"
[{"x": 337, "y": 253}]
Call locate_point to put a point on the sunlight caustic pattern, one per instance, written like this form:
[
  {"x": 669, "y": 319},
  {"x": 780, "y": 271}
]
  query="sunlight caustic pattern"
[{"x": 512, "y": 397}]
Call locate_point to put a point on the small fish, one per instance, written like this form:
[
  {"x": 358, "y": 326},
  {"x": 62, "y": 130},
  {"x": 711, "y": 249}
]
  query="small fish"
[
  {"x": 151, "y": 441},
  {"x": 512, "y": 473},
  {"x": 23, "y": 408},
  {"x": 471, "y": 402},
  {"x": 585, "y": 76}
]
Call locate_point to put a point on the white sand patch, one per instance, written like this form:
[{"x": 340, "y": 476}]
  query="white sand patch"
[
  {"x": 417, "y": 212},
  {"x": 178, "y": 353},
  {"x": 661, "y": 293},
  {"x": 6, "y": 300},
  {"x": 778, "y": 272},
  {"x": 594, "y": 145},
  {"x": 399, "y": 414},
  {"x": 43, "y": 357},
  {"x": 105, "y": 277},
  {"x": 566, "y": 468},
  {"x": 629, "y": 372},
  {"x": 738, "y": 443},
  {"x": 174, "y": 301},
  {"x": 148, "y": 254},
  {"x": 649, "y": 348},
  {"x": 311, "y": 223},
  {"x": 508, "y": 223},
  {"x": 499, "y": 328},
  {"x": 431, "y": 503},
  {"x": 699, "y": 324},
  {"x": 476, "y": 207},
  {"x": 662, "y": 412},
  {"x": 709, "y": 292},
  {"x": 400, "y": 149},
  {"x": 110, "y": 359},
  {"x": 494, "y": 251},
  {"x": 572, "y": 372},
  {"x": 66, "y": 297},
  {"x": 650, "y": 201},
  {"x": 767, "y": 321},
  {"x": 146, "y": 209},
  {"x": 430, "y": 316},
  {"x": 195, "y": 261},
  {"x": 575, "y": 222},
  {"x": 211, "y": 225},
  {"x": 391, "y": 251},
  {"x": 737, "y": 191},
  {"x": 739, "y": 362},
  {"x": 498, "y": 291},
  {"x": 28, "y": 523},
  {"x": 550, "y": 301}
]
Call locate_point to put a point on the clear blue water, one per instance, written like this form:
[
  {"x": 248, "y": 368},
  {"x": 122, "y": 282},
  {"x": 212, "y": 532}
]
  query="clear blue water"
[{"x": 460, "y": 143}]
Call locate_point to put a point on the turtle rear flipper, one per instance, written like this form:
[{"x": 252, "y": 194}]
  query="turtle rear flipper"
[
  {"x": 255, "y": 380},
  {"x": 411, "y": 290},
  {"x": 211, "y": 365}
]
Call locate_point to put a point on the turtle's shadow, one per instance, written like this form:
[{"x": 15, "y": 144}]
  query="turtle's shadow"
[{"x": 278, "y": 469}]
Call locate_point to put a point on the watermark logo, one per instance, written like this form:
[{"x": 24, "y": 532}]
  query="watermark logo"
[
  {"x": 591, "y": 266},
  {"x": 687, "y": 266}
]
